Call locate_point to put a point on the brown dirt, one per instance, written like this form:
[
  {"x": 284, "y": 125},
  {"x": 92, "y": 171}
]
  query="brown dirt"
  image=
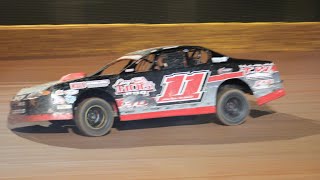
[{"x": 20, "y": 42}]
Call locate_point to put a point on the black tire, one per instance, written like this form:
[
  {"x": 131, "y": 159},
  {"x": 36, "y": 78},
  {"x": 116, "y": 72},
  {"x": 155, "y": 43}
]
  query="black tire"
[
  {"x": 232, "y": 107},
  {"x": 94, "y": 117}
]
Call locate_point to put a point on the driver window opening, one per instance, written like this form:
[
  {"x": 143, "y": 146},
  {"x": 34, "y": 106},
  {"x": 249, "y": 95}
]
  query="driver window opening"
[
  {"x": 117, "y": 67},
  {"x": 170, "y": 60},
  {"x": 145, "y": 64},
  {"x": 161, "y": 62},
  {"x": 197, "y": 57}
]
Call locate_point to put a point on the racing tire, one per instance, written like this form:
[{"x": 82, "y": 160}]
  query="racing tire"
[
  {"x": 94, "y": 117},
  {"x": 232, "y": 107}
]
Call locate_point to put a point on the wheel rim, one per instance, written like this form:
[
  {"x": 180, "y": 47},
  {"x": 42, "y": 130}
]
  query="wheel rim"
[
  {"x": 95, "y": 117},
  {"x": 233, "y": 108}
]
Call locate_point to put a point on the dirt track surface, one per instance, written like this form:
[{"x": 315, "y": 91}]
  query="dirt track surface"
[{"x": 279, "y": 141}]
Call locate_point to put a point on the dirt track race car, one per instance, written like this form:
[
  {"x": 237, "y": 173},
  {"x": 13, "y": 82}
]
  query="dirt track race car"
[{"x": 152, "y": 83}]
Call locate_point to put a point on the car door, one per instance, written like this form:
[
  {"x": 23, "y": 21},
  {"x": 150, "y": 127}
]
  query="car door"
[
  {"x": 160, "y": 85},
  {"x": 182, "y": 81},
  {"x": 136, "y": 87}
]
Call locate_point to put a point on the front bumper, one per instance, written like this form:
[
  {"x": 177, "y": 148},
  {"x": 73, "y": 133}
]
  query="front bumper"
[
  {"x": 18, "y": 118},
  {"x": 38, "y": 109}
]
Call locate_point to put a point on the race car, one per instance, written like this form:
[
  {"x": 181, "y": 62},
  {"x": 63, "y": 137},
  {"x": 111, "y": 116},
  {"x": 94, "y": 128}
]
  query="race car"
[{"x": 152, "y": 83}]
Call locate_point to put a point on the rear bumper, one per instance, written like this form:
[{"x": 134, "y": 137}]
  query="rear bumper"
[
  {"x": 271, "y": 96},
  {"x": 17, "y": 118}
]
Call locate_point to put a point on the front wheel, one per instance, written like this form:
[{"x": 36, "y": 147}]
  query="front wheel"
[
  {"x": 232, "y": 107},
  {"x": 94, "y": 117}
]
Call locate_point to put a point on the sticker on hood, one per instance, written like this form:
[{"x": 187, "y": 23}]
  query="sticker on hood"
[
  {"x": 90, "y": 84},
  {"x": 57, "y": 99},
  {"x": 66, "y": 92},
  {"x": 70, "y": 99}
]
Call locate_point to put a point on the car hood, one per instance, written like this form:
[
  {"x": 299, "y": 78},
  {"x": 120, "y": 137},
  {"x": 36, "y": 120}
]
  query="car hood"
[
  {"x": 42, "y": 87},
  {"x": 37, "y": 88}
]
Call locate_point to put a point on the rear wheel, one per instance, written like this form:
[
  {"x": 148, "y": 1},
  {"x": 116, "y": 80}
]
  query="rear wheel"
[
  {"x": 94, "y": 117},
  {"x": 232, "y": 107}
]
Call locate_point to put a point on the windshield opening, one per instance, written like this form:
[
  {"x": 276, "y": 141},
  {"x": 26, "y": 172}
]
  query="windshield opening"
[{"x": 115, "y": 67}]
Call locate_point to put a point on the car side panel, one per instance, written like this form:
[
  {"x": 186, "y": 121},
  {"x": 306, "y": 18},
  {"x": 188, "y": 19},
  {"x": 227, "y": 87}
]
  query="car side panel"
[
  {"x": 177, "y": 92},
  {"x": 173, "y": 92}
]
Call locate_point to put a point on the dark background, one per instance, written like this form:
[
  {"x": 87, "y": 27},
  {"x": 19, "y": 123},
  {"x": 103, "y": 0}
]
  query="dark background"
[{"x": 18, "y": 12}]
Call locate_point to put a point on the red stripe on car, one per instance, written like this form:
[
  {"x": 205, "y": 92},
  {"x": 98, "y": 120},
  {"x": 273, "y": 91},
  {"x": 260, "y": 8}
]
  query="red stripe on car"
[
  {"x": 168, "y": 113},
  {"x": 225, "y": 76},
  {"x": 39, "y": 117},
  {"x": 271, "y": 96}
]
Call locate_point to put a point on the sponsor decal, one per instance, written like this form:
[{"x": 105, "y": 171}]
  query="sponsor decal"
[
  {"x": 59, "y": 92},
  {"x": 257, "y": 71},
  {"x": 18, "y": 111},
  {"x": 90, "y": 84},
  {"x": 78, "y": 85},
  {"x": 262, "y": 84},
  {"x": 57, "y": 99},
  {"x": 129, "y": 104},
  {"x": 136, "y": 101},
  {"x": 66, "y": 92},
  {"x": 224, "y": 70},
  {"x": 182, "y": 87},
  {"x": 98, "y": 83},
  {"x": 70, "y": 99},
  {"x": 64, "y": 96},
  {"x": 71, "y": 92},
  {"x": 64, "y": 106},
  {"x": 134, "y": 86},
  {"x": 259, "y": 76}
]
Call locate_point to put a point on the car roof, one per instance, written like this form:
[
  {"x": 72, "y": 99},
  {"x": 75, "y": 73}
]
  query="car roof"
[{"x": 145, "y": 52}]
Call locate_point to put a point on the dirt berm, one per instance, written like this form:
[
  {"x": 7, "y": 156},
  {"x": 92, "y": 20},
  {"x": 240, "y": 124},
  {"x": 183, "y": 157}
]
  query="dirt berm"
[{"x": 21, "y": 42}]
